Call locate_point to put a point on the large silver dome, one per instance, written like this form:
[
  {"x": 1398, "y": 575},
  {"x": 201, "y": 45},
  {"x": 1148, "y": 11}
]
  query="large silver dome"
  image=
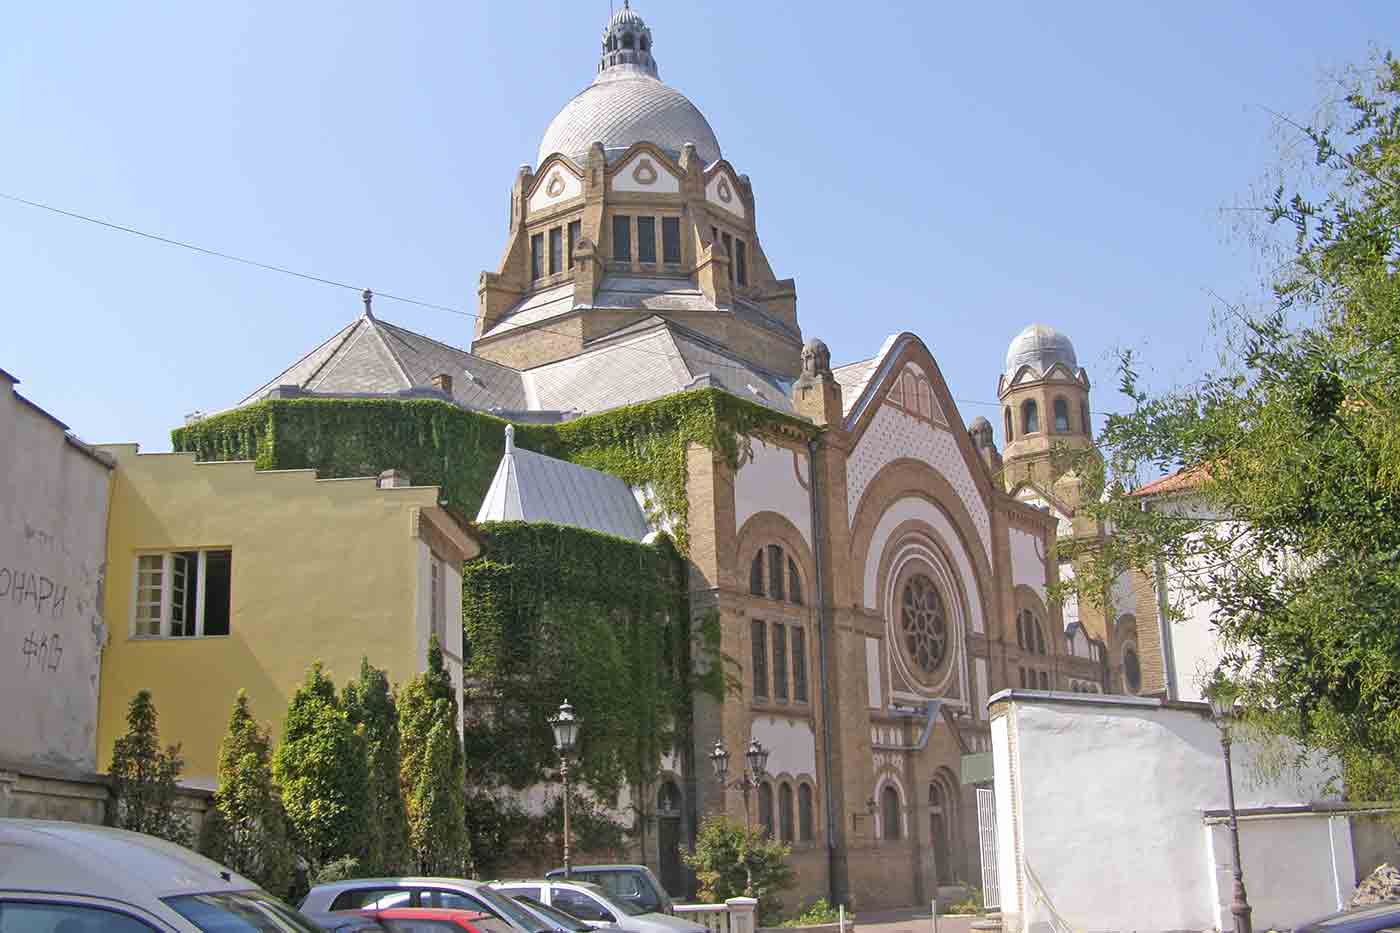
[
  {"x": 1040, "y": 346},
  {"x": 628, "y": 103}
]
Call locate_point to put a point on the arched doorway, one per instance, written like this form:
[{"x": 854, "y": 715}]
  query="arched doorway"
[
  {"x": 943, "y": 821},
  {"x": 668, "y": 837}
]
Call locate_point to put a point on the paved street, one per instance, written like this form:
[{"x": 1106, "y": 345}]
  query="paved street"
[{"x": 910, "y": 920}]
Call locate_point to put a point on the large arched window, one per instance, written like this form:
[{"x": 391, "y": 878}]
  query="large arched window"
[
  {"x": 889, "y": 812},
  {"x": 772, "y": 573},
  {"x": 765, "y": 807},
  {"x": 1030, "y": 636},
  {"x": 785, "y": 812},
  {"x": 804, "y": 812},
  {"x": 1030, "y": 417},
  {"x": 1008, "y": 425},
  {"x": 1061, "y": 416}
]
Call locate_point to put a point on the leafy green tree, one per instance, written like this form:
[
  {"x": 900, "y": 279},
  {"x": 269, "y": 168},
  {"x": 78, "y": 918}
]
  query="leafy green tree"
[
  {"x": 369, "y": 702},
  {"x": 144, "y": 775},
  {"x": 322, "y": 768},
  {"x": 727, "y": 852},
  {"x": 247, "y": 828},
  {"x": 433, "y": 771},
  {"x": 1293, "y": 442}
]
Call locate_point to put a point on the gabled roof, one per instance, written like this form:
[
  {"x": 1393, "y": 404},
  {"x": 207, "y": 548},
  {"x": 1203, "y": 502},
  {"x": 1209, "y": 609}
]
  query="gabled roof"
[
  {"x": 373, "y": 357},
  {"x": 531, "y": 487},
  {"x": 1180, "y": 481}
]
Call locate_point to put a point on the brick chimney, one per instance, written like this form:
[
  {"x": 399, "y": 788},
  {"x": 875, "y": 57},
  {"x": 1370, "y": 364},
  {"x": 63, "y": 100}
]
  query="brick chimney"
[
  {"x": 443, "y": 383},
  {"x": 393, "y": 479}
]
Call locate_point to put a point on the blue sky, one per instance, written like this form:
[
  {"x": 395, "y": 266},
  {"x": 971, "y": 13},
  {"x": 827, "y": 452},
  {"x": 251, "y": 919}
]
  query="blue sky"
[{"x": 957, "y": 170}]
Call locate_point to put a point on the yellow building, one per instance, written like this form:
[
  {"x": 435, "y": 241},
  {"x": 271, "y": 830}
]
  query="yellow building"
[{"x": 221, "y": 578}]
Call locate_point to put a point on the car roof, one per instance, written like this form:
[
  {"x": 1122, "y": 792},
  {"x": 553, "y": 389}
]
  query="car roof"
[
  {"x": 587, "y": 885},
  {"x": 99, "y": 861},
  {"x": 638, "y": 868},
  {"x": 423, "y": 913},
  {"x": 355, "y": 883}
]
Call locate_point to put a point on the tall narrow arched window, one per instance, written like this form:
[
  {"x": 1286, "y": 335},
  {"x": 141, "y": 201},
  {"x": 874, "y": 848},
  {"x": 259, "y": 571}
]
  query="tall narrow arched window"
[
  {"x": 756, "y": 575},
  {"x": 1030, "y": 417},
  {"x": 626, "y": 40},
  {"x": 942, "y": 819},
  {"x": 785, "y": 812},
  {"x": 794, "y": 584},
  {"x": 1061, "y": 416},
  {"x": 1008, "y": 425},
  {"x": 1085, "y": 424},
  {"x": 889, "y": 812},
  {"x": 804, "y": 812},
  {"x": 1030, "y": 637},
  {"x": 765, "y": 807}
]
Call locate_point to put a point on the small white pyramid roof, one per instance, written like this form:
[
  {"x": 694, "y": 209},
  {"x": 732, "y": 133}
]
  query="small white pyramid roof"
[{"x": 530, "y": 487}]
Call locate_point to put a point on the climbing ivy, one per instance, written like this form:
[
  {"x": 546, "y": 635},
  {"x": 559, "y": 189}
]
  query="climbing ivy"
[
  {"x": 559, "y": 613},
  {"x": 441, "y": 444}
]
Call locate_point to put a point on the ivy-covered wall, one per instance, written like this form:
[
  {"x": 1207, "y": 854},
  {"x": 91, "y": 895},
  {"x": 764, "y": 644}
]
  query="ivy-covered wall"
[
  {"x": 441, "y": 444},
  {"x": 552, "y": 612}
]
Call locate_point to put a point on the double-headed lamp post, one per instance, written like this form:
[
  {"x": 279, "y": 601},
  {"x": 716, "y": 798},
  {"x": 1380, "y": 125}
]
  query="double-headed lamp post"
[
  {"x": 565, "y": 727},
  {"x": 1222, "y": 707},
  {"x": 755, "y": 766}
]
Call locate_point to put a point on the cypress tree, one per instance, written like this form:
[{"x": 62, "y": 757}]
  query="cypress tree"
[
  {"x": 143, "y": 776},
  {"x": 247, "y": 828},
  {"x": 321, "y": 766},
  {"x": 433, "y": 772},
  {"x": 370, "y": 705}
]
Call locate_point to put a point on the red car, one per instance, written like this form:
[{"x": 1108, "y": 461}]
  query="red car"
[{"x": 436, "y": 920}]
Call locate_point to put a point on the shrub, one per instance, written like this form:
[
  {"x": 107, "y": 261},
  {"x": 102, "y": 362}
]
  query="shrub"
[
  {"x": 143, "y": 776},
  {"x": 433, "y": 772},
  {"x": 726, "y": 852},
  {"x": 370, "y": 705}
]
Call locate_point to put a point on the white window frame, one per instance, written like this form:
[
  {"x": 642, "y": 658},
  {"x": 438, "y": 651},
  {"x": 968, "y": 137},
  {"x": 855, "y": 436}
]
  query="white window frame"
[
  {"x": 437, "y": 597},
  {"x": 167, "y": 592}
]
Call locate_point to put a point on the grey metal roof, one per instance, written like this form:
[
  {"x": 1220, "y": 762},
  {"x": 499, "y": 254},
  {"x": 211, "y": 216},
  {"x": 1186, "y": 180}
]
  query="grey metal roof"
[
  {"x": 624, "y": 106},
  {"x": 651, "y": 294},
  {"x": 1040, "y": 346},
  {"x": 536, "y": 308},
  {"x": 531, "y": 487},
  {"x": 852, "y": 378},
  {"x": 374, "y": 357}
]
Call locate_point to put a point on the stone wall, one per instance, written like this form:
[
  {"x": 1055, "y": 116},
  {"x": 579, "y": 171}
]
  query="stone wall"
[{"x": 36, "y": 794}]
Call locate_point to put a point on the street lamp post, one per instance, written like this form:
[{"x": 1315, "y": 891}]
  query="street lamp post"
[
  {"x": 565, "y": 727},
  {"x": 1222, "y": 707},
  {"x": 755, "y": 766}
]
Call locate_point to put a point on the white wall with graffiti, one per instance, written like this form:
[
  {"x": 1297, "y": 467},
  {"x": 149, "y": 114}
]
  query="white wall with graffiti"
[{"x": 53, "y": 531}]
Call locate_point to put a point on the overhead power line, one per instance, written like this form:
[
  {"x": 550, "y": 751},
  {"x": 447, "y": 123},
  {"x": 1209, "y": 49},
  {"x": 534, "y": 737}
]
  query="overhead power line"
[{"x": 271, "y": 267}]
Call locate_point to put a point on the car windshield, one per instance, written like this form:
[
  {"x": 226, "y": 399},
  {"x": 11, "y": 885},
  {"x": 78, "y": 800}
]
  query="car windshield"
[
  {"x": 509, "y": 910},
  {"x": 560, "y": 919},
  {"x": 629, "y": 907},
  {"x": 240, "y": 912},
  {"x": 628, "y": 887}
]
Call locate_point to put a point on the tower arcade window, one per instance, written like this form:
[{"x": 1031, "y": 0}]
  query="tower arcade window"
[
  {"x": 575, "y": 231},
  {"x": 889, "y": 813},
  {"x": 626, "y": 40},
  {"x": 671, "y": 239},
  {"x": 1061, "y": 416},
  {"x": 556, "y": 250},
  {"x": 741, "y": 262},
  {"x": 646, "y": 239},
  {"x": 1008, "y": 425},
  {"x": 729, "y": 249},
  {"x": 536, "y": 256},
  {"x": 1084, "y": 421},
  {"x": 804, "y": 812},
  {"x": 1030, "y": 417},
  {"x": 622, "y": 238}
]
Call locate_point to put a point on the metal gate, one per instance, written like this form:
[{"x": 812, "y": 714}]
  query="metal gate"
[{"x": 987, "y": 836}]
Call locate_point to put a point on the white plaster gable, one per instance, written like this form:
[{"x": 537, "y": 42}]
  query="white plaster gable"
[
  {"x": 1028, "y": 495},
  {"x": 792, "y": 747},
  {"x": 893, "y": 434},
  {"x": 723, "y": 190},
  {"x": 559, "y": 184},
  {"x": 774, "y": 480},
  {"x": 1027, "y": 561},
  {"x": 645, "y": 172},
  {"x": 913, "y": 391},
  {"x": 910, "y": 509}
]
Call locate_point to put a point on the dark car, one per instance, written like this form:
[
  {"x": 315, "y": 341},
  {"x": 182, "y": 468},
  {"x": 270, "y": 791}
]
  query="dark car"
[
  {"x": 1371, "y": 919},
  {"x": 633, "y": 884}
]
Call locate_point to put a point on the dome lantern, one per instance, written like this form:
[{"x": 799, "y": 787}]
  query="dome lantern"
[{"x": 627, "y": 43}]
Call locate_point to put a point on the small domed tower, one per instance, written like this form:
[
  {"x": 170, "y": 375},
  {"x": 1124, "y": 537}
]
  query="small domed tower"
[
  {"x": 627, "y": 41},
  {"x": 1044, "y": 397}
]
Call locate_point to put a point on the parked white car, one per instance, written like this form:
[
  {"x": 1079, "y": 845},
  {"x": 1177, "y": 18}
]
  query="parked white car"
[
  {"x": 60, "y": 877},
  {"x": 451, "y": 893},
  {"x": 591, "y": 904}
]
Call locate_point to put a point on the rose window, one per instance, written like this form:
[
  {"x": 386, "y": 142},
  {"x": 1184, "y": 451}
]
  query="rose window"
[{"x": 925, "y": 623}]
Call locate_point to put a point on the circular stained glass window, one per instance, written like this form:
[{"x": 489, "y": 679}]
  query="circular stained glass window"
[{"x": 924, "y": 622}]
